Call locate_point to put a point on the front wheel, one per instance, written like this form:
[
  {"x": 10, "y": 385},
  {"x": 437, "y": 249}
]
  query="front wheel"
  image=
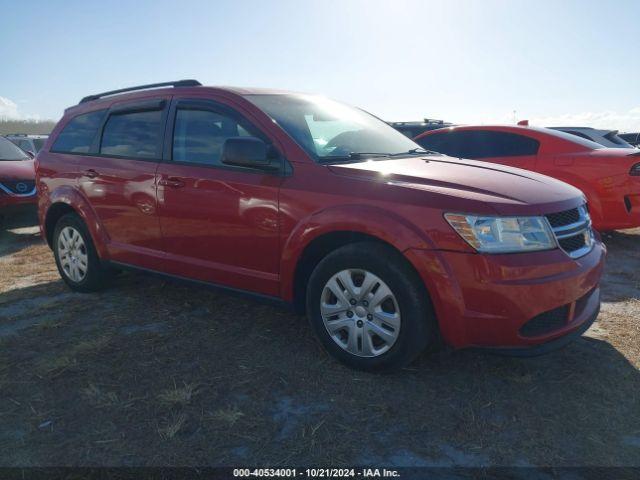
[{"x": 369, "y": 308}]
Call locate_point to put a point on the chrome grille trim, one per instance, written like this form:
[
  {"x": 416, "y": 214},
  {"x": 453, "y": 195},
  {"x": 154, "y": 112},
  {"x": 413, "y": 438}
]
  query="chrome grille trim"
[
  {"x": 6, "y": 189},
  {"x": 581, "y": 228}
]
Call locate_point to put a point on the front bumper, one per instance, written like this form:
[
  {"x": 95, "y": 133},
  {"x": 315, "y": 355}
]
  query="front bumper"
[
  {"x": 486, "y": 300},
  {"x": 551, "y": 345},
  {"x": 9, "y": 202}
]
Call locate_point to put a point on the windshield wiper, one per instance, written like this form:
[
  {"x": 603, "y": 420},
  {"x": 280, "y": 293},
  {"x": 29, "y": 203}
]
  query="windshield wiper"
[
  {"x": 357, "y": 156},
  {"x": 416, "y": 151}
]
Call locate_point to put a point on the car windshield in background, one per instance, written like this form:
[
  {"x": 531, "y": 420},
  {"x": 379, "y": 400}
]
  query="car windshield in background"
[
  {"x": 8, "y": 151},
  {"x": 331, "y": 131},
  {"x": 38, "y": 143}
]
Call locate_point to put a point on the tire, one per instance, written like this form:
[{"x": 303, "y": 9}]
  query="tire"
[
  {"x": 70, "y": 230},
  {"x": 408, "y": 319}
]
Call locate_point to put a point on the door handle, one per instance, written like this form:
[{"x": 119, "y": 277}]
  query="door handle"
[
  {"x": 91, "y": 173},
  {"x": 171, "y": 182}
]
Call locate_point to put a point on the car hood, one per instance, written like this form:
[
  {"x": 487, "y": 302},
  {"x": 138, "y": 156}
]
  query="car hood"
[
  {"x": 507, "y": 190},
  {"x": 17, "y": 170}
]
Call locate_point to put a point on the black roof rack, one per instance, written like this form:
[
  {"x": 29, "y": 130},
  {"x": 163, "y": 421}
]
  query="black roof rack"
[{"x": 177, "y": 83}]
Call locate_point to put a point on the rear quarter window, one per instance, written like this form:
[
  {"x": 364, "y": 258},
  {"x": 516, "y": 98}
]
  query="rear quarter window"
[
  {"x": 476, "y": 144},
  {"x": 79, "y": 133}
]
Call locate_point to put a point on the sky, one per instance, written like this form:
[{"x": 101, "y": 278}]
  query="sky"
[{"x": 477, "y": 61}]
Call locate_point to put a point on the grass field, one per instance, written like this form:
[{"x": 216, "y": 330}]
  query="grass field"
[
  {"x": 26, "y": 126},
  {"x": 152, "y": 373}
]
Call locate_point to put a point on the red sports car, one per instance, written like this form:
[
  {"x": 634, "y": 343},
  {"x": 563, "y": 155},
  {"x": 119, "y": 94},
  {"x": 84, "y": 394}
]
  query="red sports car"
[
  {"x": 17, "y": 180},
  {"x": 609, "y": 177}
]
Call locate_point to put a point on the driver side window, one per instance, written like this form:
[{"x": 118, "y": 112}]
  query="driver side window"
[
  {"x": 323, "y": 131},
  {"x": 199, "y": 135}
]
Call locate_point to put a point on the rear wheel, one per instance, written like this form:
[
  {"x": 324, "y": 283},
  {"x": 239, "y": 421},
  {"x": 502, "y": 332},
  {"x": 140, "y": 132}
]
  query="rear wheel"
[
  {"x": 369, "y": 308},
  {"x": 76, "y": 256}
]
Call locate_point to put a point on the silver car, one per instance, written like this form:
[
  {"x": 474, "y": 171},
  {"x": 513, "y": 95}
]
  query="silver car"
[{"x": 608, "y": 138}]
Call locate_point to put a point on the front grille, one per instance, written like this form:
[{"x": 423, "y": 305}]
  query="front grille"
[
  {"x": 574, "y": 243},
  {"x": 18, "y": 187},
  {"x": 561, "y": 219},
  {"x": 546, "y": 322},
  {"x": 572, "y": 229}
]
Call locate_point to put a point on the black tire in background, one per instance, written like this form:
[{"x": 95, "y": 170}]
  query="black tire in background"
[{"x": 418, "y": 326}]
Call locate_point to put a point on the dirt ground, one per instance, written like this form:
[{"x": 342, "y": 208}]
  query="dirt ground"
[{"x": 150, "y": 373}]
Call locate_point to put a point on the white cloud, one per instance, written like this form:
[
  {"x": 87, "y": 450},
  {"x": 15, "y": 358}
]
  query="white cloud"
[
  {"x": 628, "y": 121},
  {"x": 8, "y": 109}
]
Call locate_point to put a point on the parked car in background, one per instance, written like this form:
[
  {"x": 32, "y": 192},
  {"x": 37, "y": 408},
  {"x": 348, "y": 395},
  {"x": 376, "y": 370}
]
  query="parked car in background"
[
  {"x": 609, "y": 177},
  {"x": 17, "y": 181},
  {"x": 607, "y": 138},
  {"x": 631, "y": 138},
  {"x": 413, "y": 129},
  {"x": 27, "y": 142},
  {"x": 305, "y": 201}
]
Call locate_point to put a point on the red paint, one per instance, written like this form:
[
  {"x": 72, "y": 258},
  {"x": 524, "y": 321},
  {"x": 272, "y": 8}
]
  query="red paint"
[
  {"x": 250, "y": 230},
  {"x": 16, "y": 171},
  {"x": 602, "y": 174}
]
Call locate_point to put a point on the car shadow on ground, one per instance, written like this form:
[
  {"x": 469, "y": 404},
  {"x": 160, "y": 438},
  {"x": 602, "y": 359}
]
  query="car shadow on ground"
[
  {"x": 17, "y": 233},
  {"x": 153, "y": 373}
]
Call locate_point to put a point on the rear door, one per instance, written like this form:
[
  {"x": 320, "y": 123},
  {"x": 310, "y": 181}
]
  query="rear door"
[
  {"x": 119, "y": 179},
  {"x": 220, "y": 223}
]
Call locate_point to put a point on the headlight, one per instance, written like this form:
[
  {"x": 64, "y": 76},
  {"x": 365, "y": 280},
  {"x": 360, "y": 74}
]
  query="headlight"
[{"x": 503, "y": 234}]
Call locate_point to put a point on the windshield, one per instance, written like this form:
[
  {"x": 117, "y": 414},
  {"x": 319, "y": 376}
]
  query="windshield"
[
  {"x": 38, "y": 143},
  {"x": 331, "y": 131},
  {"x": 8, "y": 151}
]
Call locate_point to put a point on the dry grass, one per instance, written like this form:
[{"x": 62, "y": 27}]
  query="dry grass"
[
  {"x": 57, "y": 362},
  {"x": 228, "y": 416},
  {"x": 98, "y": 396},
  {"x": 150, "y": 373},
  {"x": 178, "y": 395},
  {"x": 172, "y": 426}
]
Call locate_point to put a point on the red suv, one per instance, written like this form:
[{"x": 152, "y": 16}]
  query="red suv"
[
  {"x": 17, "y": 181},
  {"x": 321, "y": 206},
  {"x": 609, "y": 177}
]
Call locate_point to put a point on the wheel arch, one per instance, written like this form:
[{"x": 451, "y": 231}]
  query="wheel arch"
[
  {"x": 326, "y": 231},
  {"x": 66, "y": 201}
]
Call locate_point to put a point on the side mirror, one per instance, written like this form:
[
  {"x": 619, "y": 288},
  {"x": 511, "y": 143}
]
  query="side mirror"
[
  {"x": 30, "y": 153},
  {"x": 250, "y": 152}
]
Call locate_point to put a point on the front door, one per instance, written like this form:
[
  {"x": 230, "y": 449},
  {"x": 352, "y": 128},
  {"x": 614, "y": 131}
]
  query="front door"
[{"x": 219, "y": 224}]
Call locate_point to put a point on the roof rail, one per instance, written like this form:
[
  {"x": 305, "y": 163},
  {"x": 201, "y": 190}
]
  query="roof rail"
[{"x": 177, "y": 83}]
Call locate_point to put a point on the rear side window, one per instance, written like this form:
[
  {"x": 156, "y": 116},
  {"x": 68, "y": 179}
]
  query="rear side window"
[
  {"x": 198, "y": 135},
  {"x": 77, "y": 136},
  {"x": 477, "y": 144},
  {"x": 133, "y": 135}
]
